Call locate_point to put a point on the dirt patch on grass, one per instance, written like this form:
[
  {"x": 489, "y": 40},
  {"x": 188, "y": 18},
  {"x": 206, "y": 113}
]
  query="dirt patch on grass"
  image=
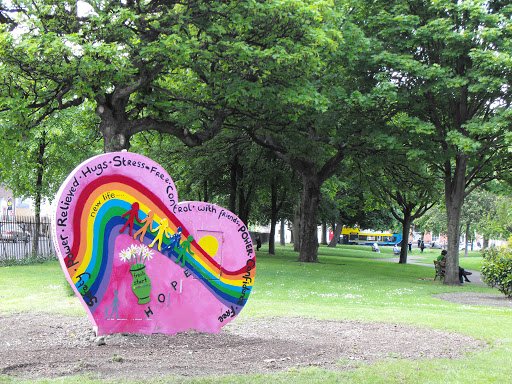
[
  {"x": 45, "y": 346},
  {"x": 474, "y": 298}
]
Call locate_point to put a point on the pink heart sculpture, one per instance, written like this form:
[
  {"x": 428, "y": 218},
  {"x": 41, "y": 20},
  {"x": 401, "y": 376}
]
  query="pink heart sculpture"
[{"x": 141, "y": 262}]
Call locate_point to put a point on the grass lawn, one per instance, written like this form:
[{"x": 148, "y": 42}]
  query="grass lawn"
[
  {"x": 472, "y": 261},
  {"x": 349, "y": 282}
]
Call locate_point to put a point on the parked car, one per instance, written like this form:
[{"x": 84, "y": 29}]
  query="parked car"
[{"x": 13, "y": 232}]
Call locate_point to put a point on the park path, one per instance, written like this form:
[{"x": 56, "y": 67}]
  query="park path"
[{"x": 475, "y": 278}]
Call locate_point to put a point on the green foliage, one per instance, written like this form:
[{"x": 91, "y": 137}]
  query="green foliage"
[
  {"x": 449, "y": 64},
  {"x": 496, "y": 221},
  {"x": 497, "y": 269},
  {"x": 51, "y": 149},
  {"x": 229, "y": 168},
  {"x": 345, "y": 201},
  {"x": 433, "y": 221},
  {"x": 311, "y": 79},
  {"x": 167, "y": 62}
]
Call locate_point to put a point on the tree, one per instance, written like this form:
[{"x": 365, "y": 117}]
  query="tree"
[
  {"x": 277, "y": 186},
  {"x": 176, "y": 67},
  {"x": 38, "y": 137},
  {"x": 406, "y": 187},
  {"x": 336, "y": 103},
  {"x": 449, "y": 63},
  {"x": 35, "y": 162},
  {"x": 434, "y": 220},
  {"x": 408, "y": 199},
  {"x": 495, "y": 214},
  {"x": 345, "y": 203},
  {"x": 475, "y": 208},
  {"x": 122, "y": 56}
]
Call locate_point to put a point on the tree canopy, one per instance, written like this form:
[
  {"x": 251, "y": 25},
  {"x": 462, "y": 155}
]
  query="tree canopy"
[
  {"x": 450, "y": 64},
  {"x": 268, "y": 93}
]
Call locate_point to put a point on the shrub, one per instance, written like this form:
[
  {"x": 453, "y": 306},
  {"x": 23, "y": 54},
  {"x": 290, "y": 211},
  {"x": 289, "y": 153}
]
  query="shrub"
[{"x": 497, "y": 269}]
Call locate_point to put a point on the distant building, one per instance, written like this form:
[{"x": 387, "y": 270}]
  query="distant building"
[
  {"x": 11, "y": 205},
  {"x": 435, "y": 241}
]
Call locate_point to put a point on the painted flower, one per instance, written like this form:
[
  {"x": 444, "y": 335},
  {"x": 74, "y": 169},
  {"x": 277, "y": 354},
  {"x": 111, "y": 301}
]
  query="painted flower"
[
  {"x": 136, "y": 254},
  {"x": 125, "y": 255},
  {"x": 147, "y": 254},
  {"x": 134, "y": 249}
]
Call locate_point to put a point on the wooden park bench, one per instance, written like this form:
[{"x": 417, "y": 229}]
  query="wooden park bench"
[{"x": 439, "y": 266}]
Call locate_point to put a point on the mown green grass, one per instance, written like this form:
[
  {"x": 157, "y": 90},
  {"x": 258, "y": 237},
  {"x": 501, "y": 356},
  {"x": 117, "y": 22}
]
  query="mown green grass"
[
  {"x": 348, "y": 282},
  {"x": 37, "y": 288},
  {"x": 472, "y": 261}
]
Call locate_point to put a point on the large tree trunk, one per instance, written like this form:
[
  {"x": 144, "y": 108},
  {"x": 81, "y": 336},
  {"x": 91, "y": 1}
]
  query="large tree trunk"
[
  {"x": 324, "y": 234},
  {"x": 38, "y": 194},
  {"x": 244, "y": 205},
  {"x": 117, "y": 127},
  {"x": 296, "y": 233},
  {"x": 37, "y": 229},
  {"x": 273, "y": 218},
  {"x": 406, "y": 228},
  {"x": 308, "y": 219},
  {"x": 233, "y": 184},
  {"x": 237, "y": 191},
  {"x": 272, "y": 237},
  {"x": 454, "y": 199},
  {"x": 113, "y": 127},
  {"x": 452, "y": 258},
  {"x": 282, "y": 236},
  {"x": 313, "y": 175},
  {"x": 336, "y": 235}
]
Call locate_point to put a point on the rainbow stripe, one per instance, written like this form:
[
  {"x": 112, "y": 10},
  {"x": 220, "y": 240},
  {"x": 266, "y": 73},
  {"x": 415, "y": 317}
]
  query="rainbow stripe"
[{"x": 95, "y": 231}]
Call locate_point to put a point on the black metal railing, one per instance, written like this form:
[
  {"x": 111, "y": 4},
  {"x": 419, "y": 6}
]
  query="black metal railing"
[{"x": 17, "y": 236}]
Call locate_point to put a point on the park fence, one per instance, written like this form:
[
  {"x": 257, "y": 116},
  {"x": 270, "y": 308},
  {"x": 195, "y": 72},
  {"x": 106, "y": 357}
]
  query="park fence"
[{"x": 17, "y": 234}]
